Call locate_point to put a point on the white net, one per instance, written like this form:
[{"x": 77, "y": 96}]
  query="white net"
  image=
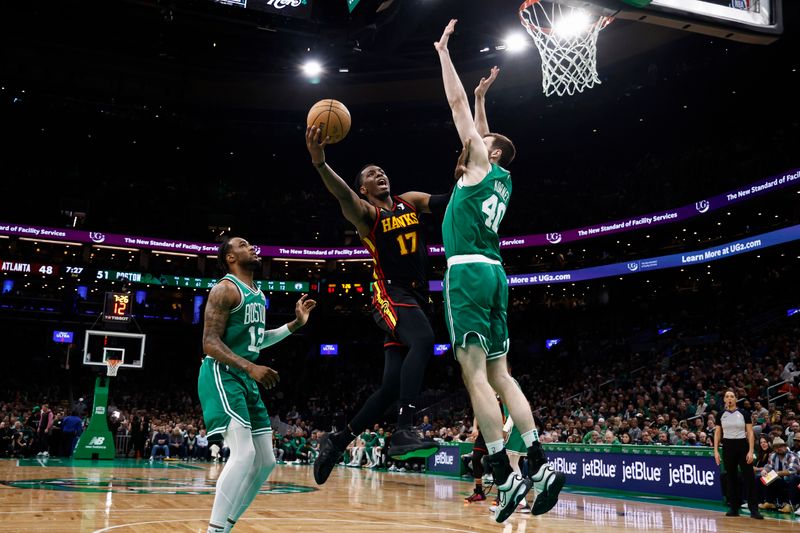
[
  {"x": 566, "y": 38},
  {"x": 113, "y": 366}
]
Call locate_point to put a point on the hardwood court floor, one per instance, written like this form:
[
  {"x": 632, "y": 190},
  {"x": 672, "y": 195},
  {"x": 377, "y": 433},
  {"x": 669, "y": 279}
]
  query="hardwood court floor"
[{"x": 134, "y": 496}]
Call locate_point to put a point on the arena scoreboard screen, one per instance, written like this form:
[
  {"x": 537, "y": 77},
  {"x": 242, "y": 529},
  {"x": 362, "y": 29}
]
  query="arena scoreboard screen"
[{"x": 118, "y": 307}]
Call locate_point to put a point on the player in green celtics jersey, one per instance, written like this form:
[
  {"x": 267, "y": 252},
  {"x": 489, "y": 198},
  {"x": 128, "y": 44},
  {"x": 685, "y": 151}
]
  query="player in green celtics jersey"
[
  {"x": 233, "y": 335},
  {"x": 476, "y": 293}
]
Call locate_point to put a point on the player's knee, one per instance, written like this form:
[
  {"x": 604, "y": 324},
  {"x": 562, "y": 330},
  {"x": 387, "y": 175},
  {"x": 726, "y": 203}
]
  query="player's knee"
[
  {"x": 245, "y": 453},
  {"x": 425, "y": 339}
]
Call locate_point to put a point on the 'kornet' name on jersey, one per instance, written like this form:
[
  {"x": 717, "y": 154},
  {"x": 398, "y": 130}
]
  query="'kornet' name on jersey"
[
  {"x": 255, "y": 313},
  {"x": 402, "y": 221},
  {"x": 502, "y": 191}
]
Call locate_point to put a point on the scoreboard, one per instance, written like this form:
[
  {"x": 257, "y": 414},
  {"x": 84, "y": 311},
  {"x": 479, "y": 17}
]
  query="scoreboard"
[{"x": 29, "y": 268}]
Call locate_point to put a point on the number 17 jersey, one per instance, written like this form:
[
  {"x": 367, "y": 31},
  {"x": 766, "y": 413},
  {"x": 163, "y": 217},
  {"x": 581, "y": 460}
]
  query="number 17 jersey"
[{"x": 474, "y": 213}]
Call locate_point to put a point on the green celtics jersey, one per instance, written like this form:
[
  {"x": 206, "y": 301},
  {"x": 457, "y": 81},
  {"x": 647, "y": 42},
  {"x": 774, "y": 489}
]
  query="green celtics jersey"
[
  {"x": 246, "y": 325},
  {"x": 474, "y": 214}
]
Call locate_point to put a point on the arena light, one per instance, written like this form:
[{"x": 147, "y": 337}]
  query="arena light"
[
  {"x": 515, "y": 42},
  {"x": 571, "y": 24},
  {"x": 312, "y": 68}
]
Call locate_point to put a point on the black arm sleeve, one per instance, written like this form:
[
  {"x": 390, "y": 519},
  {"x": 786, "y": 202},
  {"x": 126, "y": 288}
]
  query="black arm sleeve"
[{"x": 437, "y": 203}]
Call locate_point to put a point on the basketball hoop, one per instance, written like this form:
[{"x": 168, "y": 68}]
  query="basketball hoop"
[
  {"x": 566, "y": 37},
  {"x": 112, "y": 366}
]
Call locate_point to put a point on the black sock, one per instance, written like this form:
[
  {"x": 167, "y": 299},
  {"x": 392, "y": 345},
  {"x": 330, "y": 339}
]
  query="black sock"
[
  {"x": 405, "y": 416},
  {"x": 501, "y": 467}
]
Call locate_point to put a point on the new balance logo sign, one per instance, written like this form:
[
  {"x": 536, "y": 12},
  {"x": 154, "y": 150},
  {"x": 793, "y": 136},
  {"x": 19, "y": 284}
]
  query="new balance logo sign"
[
  {"x": 442, "y": 458},
  {"x": 96, "y": 441}
]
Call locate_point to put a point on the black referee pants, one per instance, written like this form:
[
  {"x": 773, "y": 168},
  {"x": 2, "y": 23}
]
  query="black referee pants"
[{"x": 734, "y": 457}]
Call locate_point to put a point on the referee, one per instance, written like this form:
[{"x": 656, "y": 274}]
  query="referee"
[{"x": 735, "y": 430}]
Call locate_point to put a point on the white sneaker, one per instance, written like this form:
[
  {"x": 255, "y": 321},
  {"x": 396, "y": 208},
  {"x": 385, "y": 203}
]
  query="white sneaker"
[
  {"x": 403, "y": 469},
  {"x": 510, "y": 494},
  {"x": 392, "y": 468}
]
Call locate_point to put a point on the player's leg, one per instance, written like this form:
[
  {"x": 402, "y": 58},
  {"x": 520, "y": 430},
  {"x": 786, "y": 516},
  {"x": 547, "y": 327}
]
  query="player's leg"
[
  {"x": 510, "y": 487},
  {"x": 414, "y": 330},
  {"x": 468, "y": 303},
  {"x": 547, "y": 482},
  {"x": 478, "y": 453},
  {"x": 264, "y": 460},
  {"x": 230, "y": 485},
  {"x": 225, "y": 411},
  {"x": 262, "y": 467},
  {"x": 332, "y": 446}
]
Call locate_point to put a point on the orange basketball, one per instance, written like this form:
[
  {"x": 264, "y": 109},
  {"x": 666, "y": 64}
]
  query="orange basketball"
[{"x": 332, "y": 117}]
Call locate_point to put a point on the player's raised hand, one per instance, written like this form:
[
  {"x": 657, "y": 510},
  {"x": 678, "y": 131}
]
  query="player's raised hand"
[
  {"x": 316, "y": 144},
  {"x": 441, "y": 44},
  {"x": 303, "y": 308},
  {"x": 485, "y": 83},
  {"x": 264, "y": 375}
]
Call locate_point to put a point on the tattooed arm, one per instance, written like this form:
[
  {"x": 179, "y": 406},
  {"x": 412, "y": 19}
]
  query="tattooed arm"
[{"x": 221, "y": 300}]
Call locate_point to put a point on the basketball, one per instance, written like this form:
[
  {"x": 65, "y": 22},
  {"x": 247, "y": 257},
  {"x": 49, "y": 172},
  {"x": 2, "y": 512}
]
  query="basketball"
[{"x": 332, "y": 117}]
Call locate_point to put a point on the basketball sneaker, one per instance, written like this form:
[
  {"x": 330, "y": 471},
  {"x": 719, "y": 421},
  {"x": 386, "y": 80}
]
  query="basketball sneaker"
[
  {"x": 406, "y": 444},
  {"x": 511, "y": 488},
  {"x": 548, "y": 484},
  {"x": 477, "y": 496},
  {"x": 329, "y": 455}
]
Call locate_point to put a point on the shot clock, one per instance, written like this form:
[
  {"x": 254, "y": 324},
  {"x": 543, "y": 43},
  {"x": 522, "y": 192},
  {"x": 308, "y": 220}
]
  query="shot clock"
[{"x": 118, "y": 307}]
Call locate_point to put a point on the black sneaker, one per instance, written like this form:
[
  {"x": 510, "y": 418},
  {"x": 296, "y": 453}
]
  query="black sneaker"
[
  {"x": 511, "y": 490},
  {"x": 756, "y": 515},
  {"x": 548, "y": 484},
  {"x": 329, "y": 455},
  {"x": 732, "y": 512},
  {"x": 546, "y": 481},
  {"x": 407, "y": 444}
]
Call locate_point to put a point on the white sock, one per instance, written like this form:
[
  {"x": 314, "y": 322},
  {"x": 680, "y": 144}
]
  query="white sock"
[
  {"x": 260, "y": 471},
  {"x": 212, "y": 529},
  {"x": 495, "y": 446},
  {"x": 230, "y": 483},
  {"x": 529, "y": 437}
]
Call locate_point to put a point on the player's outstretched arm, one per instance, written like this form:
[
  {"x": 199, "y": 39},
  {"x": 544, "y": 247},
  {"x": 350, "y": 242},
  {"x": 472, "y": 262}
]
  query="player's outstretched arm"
[
  {"x": 354, "y": 209},
  {"x": 222, "y": 298},
  {"x": 481, "y": 122},
  {"x": 427, "y": 203},
  {"x": 478, "y": 159}
]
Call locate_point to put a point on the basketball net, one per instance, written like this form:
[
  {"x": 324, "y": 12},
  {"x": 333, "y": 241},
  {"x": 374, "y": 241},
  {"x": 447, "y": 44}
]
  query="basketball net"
[
  {"x": 566, "y": 38},
  {"x": 113, "y": 366}
]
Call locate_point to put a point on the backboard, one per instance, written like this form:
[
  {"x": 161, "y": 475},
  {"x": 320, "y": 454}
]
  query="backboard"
[
  {"x": 750, "y": 21},
  {"x": 98, "y": 346}
]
